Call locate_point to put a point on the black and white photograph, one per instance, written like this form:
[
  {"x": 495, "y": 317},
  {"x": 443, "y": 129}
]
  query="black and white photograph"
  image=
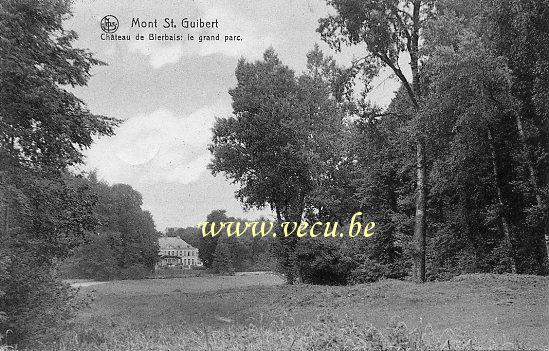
[{"x": 308, "y": 175}]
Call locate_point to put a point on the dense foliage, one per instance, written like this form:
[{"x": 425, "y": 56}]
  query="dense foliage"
[
  {"x": 454, "y": 171},
  {"x": 46, "y": 211},
  {"x": 227, "y": 255},
  {"x": 125, "y": 242}
]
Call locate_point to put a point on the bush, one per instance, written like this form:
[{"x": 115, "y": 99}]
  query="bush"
[
  {"x": 36, "y": 303},
  {"x": 94, "y": 260},
  {"x": 323, "y": 262},
  {"x": 370, "y": 271},
  {"x": 223, "y": 261}
]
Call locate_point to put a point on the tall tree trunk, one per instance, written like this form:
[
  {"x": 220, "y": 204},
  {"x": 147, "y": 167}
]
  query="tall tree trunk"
[
  {"x": 284, "y": 253},
  {"x": 421, "y": 180},
  {"x": 419, "y": 227},
  {"x": 528, "y": 159},
  {"x": 501, "y": 206},
  {"x": 470, "y": 237},
  {"x": 543, "y": 239},
  {"x": 414, "y": 93}
]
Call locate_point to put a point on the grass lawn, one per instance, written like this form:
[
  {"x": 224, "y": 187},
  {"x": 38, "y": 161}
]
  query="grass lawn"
[{"x": 259, "y": 312}]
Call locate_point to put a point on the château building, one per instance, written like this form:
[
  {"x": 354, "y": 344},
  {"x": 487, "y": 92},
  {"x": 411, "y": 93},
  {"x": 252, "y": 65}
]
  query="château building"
[{"x": 175, "y": 252}]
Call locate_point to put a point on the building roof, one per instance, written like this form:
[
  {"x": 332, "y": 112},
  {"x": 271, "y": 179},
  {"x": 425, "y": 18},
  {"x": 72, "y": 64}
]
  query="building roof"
[{"x": 171, "y": 243}]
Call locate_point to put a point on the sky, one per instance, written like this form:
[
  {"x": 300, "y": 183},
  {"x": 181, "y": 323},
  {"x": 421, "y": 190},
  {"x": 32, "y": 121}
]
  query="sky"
[{"x": 168, "y": 93}]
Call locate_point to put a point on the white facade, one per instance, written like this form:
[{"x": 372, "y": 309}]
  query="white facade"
[{"x": 175, "y": 252}]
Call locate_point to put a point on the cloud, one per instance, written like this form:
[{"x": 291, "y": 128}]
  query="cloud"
[
  {"x": 232, "y": 23},
  {"x": 159, "y": 54},
  {"x": 156, "y": 147}
]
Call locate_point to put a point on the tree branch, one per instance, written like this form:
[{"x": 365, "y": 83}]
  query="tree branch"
[{"x": 383, "y": 57}]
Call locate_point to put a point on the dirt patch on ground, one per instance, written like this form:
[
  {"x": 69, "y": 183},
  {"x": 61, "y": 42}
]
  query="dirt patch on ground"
[{"x": 82, "y": 283}]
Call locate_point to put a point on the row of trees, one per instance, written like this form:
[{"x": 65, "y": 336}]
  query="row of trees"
[
  {"x": 454, "y": 171},
  {"x": 125, "y": 242},
  {"x": 46, "y": 211}
]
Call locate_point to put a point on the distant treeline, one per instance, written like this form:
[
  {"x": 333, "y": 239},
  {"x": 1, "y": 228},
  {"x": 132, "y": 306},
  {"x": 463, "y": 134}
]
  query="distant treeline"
[{"x": 124, "y": 244}]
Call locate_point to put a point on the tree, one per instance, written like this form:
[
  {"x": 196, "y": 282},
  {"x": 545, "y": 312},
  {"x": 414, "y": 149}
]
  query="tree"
[
  {"x": 43, "y": 126},
  {"x": 259, "y": 147},
  {"x": 43, "y": 129},
  {"x": 223, "y": 261},
  {"x": 191, "y": 235},
  {"x": 95, "y": 260},
  {"x": 384, "y": 185},
  {"x": 208, "y": 244},
  {"x": 517, "y": 29},
  {"x": 470, "y": 78},
  {"x": 120, "y": 210},
  {"x": 388, "y": 28},
  {"x": 324, "y": 136},
  {"x": 281, "y": 143},
  {"x": 473, "y": 118},
  {"x": 125, "y": 230}
]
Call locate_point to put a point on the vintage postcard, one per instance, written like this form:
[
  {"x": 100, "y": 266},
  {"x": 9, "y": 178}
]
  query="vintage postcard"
[{"x": 274, "y": 175}]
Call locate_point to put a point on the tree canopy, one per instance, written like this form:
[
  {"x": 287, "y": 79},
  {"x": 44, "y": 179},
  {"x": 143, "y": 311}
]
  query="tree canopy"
[{"x": 453, "y": 171}]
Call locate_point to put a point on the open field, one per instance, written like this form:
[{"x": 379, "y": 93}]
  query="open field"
[{"x": 256, "y": 311}]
